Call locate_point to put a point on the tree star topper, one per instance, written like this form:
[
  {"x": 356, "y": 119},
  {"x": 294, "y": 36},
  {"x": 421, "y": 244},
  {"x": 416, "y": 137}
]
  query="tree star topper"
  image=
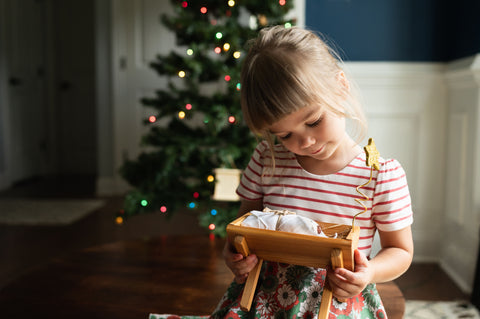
[{"x": 372, "y": 154}]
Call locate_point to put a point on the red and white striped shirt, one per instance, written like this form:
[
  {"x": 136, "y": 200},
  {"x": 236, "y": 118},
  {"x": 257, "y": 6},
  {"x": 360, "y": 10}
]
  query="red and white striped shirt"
[{"x": 330, "y": 198}]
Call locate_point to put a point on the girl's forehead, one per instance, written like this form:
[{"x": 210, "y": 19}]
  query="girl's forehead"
[{"x": 298, "y": 117}]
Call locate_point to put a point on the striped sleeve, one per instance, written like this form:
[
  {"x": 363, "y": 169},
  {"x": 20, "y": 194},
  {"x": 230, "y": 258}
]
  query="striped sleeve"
[
  {"x": 250, "y": 187},
  {"x": 392, "y": 206}
]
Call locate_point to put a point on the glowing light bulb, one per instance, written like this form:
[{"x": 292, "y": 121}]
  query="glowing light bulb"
[
  {"x": 203, "y": 10},
  {"x": 231, "y": 3},
  {"x": 163, "y": 209},
  {"x": 226, "y": 46},
  {"x": 119, "y": 220},
  {"x": 196, "y": 195},
  {"x": 210, "y": 178},
  {"x": 213, "y": 212},
  {"x": 236, "y": 54},
  {"x": 152, "y": 119},
  {"x": 288, "y": 25},
  {"x": 282, "y": 2},
  {"x": 190, "y": 52},
  {"x": 184, "y": 4},
  {"x": 218, "y": 50},
  {"x": 191, "y": 205},
  {"x": 227, "y": 78},
  {"x": 144, "y": 202},
  {"x": 188, "y": 106},
  {"x": 218, "y": 35},
  {"x": 238, "y": 86},
  {"x": 211, "y": 226},
  {"x": 181, "y": 115},
  {"x": 181, "y": 74},
  {"x": 231, "y": 119}
]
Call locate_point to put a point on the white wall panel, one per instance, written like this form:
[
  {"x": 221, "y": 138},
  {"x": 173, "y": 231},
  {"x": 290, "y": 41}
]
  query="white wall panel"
[{"x": 462, "y": 184}]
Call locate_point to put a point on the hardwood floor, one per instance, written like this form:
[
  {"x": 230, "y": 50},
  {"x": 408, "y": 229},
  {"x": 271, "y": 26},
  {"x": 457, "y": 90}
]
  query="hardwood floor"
[{"x": 25, "y": 248}]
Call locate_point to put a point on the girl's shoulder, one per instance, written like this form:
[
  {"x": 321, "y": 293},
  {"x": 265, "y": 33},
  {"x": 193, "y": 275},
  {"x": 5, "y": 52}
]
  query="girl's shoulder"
[{"x": 388, "y": 167}]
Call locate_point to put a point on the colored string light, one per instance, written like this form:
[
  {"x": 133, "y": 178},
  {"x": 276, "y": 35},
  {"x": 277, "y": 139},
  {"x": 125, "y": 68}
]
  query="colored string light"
[
  {"x": 184, "y": 4},
  {"x": 211, "y": 226},
  {"x": 119, "y": 220},
  {"x": 181, "y": 74},
  {"x": 227, "y": 78},
  {"x": 203, "y": 10},
  {"x": 152, "y": 119},
  {"x": 218, "y": 35},
  {"x": 226, "y": 46},
  {"x": 218, "y": 50},
  {"x": 236, "y": 54},
  {"x": 196, "y": 195},
  {"x": 231, "y": 119},
  {"x": 213, "y": 212},
  {"x": 190, "y": 52},
  {"x": 163, "y": 209},
  {"x": 144, "y": 202},
  {"x": 181, "y": 115},
  {"x": 210, "y": 178},
  {"x": 231, "y": 3},
  {"x": 188, "y": 106}
]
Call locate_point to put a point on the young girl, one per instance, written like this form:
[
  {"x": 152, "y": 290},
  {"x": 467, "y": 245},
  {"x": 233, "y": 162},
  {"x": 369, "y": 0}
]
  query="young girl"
[{"x": 294, "y": 91}]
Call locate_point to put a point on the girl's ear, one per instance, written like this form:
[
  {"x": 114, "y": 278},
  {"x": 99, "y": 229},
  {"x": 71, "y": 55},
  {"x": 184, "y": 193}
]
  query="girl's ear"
[{"x": 343, "y": 81}]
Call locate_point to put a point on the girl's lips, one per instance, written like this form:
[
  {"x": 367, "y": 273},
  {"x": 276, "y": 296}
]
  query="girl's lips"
[{"x": 318, "y": 151}]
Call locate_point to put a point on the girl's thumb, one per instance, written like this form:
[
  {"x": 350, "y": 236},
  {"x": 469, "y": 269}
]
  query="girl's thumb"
[{"x": 360, "y": 258}]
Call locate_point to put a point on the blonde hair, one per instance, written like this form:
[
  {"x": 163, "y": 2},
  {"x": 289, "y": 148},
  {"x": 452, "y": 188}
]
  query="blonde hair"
[{"x": 287, "y": 69}]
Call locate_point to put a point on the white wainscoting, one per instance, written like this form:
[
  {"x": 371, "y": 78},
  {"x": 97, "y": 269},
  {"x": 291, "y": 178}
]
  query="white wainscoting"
[{"x": 462, "y": 186}]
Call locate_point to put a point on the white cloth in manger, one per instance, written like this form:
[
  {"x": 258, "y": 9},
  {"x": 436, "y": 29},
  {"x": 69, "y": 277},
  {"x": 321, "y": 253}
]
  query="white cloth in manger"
[{"x": 282, "y": 221}]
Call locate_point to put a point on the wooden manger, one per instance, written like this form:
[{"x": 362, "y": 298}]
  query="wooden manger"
[{"x": 296, "y": 249}]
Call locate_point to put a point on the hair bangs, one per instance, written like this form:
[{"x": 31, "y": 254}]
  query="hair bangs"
[{"x": 274, "y": 87}]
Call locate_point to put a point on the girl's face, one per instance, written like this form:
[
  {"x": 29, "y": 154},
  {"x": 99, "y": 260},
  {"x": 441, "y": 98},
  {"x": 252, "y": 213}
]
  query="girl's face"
[{"x": 311, "y": 131}]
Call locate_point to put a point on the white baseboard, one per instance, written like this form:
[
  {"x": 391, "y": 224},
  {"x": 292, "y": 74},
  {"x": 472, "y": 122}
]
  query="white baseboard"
[{"x": 464, "y": 286}]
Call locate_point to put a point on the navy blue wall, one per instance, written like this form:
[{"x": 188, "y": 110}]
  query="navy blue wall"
[{"x": 398, "y": 30}]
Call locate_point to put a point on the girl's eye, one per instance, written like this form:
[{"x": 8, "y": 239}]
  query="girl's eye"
[
  {"x": 285, "y": 137},
  {"x": 316, "y": 122}
]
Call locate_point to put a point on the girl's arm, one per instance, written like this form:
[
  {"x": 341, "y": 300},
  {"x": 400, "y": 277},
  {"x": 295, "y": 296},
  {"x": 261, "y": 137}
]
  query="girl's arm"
[
  {"x": 239, "y": 265},
  {"x": 391, "y": 261}
]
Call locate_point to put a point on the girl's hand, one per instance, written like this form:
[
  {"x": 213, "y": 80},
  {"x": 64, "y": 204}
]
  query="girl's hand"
[
  {"x": 347, "y": 284},
  {"x": 239, "y": 265}
]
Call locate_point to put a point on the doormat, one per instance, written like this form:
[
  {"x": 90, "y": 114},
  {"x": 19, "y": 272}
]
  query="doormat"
[
  {"x": 33, "y": 212},
  {"x": 416, "y": 309}
]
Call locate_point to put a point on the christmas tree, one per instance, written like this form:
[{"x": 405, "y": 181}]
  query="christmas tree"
[{"x": 195, "y": 124}]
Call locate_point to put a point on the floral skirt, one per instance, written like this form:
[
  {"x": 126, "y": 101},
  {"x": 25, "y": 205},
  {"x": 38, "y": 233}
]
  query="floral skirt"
[{"x": 289, "y": 291}]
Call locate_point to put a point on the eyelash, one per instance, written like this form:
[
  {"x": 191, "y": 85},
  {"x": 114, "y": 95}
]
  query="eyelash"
[
  {"x": 316, "y": 122},
  {"x": 309, "y": 125}
]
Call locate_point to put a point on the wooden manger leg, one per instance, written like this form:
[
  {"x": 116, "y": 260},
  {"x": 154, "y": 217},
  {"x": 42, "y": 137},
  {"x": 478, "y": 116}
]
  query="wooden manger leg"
[
  {"x": 336, "y": 257},
  {"x": 252, "y": 280}
]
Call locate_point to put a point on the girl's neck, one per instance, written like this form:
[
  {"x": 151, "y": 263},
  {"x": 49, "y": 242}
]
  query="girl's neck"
[{"x": 346, "y": 152}]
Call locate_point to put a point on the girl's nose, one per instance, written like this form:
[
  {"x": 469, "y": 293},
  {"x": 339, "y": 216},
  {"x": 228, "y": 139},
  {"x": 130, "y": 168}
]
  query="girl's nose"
[{"x": 307, "y": 141}]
